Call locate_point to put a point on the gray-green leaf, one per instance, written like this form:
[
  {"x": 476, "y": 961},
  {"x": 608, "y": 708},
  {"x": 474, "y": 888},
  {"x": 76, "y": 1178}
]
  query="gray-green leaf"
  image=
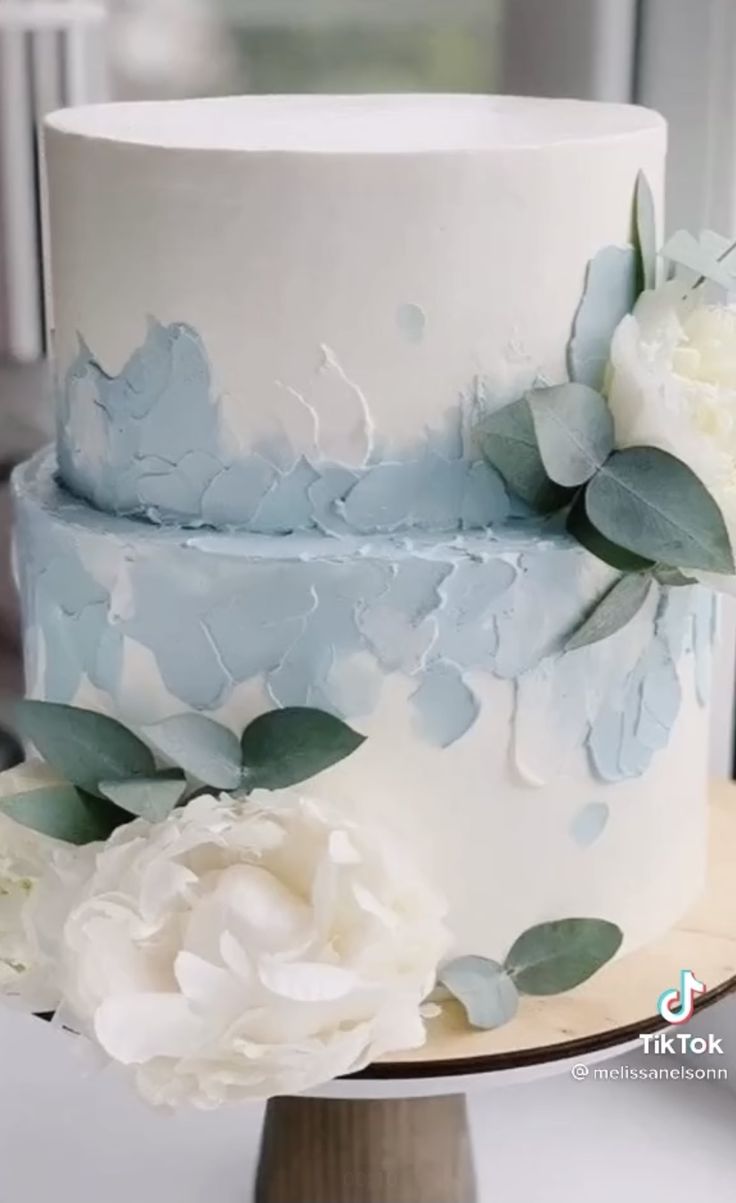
[
  {"x": 645, "y": 235},
  {"x": 614, "y": 611},
  {"x": 581, "y": 528},
  {"x": 610, "y": 293},
  {"x": 151, "y": 798},
  {"x": 699, "y": 256},
  {"x": 651, "y": 503},
  {"x": 64, "y": 813},
  {"x": 508, "y": 441},
  {"x": 201, "y": 747},
  {"x": 284, "y": 747},
  {"x": 82, "y": 746},
  {"x": 484, "y": 988},
  {"x": 672, "y": 577},
  {"x": 574, "y": 431},
  {"x": 554, "y": 957}
]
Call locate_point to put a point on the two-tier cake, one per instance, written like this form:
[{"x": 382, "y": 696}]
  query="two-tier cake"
[{"x": 281, "y": 327}]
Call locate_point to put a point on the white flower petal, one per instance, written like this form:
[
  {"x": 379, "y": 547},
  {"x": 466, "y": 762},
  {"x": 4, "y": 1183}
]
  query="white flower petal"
[
  {"x": 207, "y": 986},
  {"x": 236, "y": 950},
  {"x": 135, "y": 1028},
  {"x": 308, "y": 983},
  {"x": 368, "y": 902},
  {"x": 164, "y": 884},
  {"x": 261, "y": 909},
  {"x": 342, "y": 849},
  {"x": 235, "y": 957}
]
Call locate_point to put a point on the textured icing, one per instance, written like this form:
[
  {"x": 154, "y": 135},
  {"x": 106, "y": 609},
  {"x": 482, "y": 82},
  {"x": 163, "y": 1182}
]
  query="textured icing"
[
  {"x": 636, "y": 721},
  {"x": 297, "y": 428},
  {"x": 321, "y": 622},
  {"x": 447, "y": 654},
  {"x": 150, "y": 442},
  {"x": 347, "y": 301}
]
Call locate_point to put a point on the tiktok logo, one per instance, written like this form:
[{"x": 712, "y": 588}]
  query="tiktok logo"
[{"x": 677, "y": 1005}]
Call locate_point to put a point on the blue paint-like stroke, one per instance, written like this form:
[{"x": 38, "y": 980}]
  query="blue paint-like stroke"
[{"x": 589, "y": 823}]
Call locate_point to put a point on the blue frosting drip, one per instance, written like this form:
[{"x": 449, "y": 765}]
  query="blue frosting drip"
[
  {"x": 320, "y": 621},
  {"x": 411, "y": 321},
  {"x": 446, "y": 708},
  {"x": 162, "y": 456},
  {"x": 705, "y": 623},
  {"x": 589, "y": 823},
  {"x": 636, "y": 719}
]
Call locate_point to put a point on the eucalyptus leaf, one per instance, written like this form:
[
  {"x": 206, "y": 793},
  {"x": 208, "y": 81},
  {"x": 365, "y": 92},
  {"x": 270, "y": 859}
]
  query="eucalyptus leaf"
[
  {"x": 672, "y": 577},
  {"x": 284, "y": 747},
  {"x": 82, "y": 746},
  {"x": 508, "y": 441},
  {"x": 484, "y": 989},
  {"x": 645, "y": 235},
  {"x": 654, "y": 505},
  {"x": 554, "y": 957},
  {"x": 151, "y": 798},
  {"x": 699, "y": 256},
  {"x": 581, "y": 528},
  {"x": 621, "y": 603},
  {"x": 201, "y": 747},
  {"x": 722, "y": 249},
  {"x": 65, "y": 813},
  {"x": 574, "y": 431},
  {"x": 610, "y": 293}
]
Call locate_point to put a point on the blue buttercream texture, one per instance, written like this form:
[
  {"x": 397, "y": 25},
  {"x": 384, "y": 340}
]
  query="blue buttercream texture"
[
  {"x": 589, "y": 823},
  {"x": 323, "y": 621},
  {"x": 152, "y": 442}
]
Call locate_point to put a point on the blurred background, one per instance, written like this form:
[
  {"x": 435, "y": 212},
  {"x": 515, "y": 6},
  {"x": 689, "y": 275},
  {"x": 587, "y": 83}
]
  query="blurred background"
[{"x": 676, "y": 55}]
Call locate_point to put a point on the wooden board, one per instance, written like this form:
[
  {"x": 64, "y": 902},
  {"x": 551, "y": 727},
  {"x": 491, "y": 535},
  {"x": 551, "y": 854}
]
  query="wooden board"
[{"x": 615, "y": 1005}]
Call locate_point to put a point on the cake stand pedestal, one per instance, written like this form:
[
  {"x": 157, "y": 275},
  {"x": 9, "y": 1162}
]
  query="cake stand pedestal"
[{"x": 398, "y": 1132}]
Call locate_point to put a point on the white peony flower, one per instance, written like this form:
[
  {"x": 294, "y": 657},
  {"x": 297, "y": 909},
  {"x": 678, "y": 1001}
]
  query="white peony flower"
[
  {"x": 672, "y": 385},
  {"x": 24, "y": 856},
  {"x": 243, "y": 950}
]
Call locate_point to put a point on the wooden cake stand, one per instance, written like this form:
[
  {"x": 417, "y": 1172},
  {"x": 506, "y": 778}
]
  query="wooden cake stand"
[{"x": 398, "y": 1133}]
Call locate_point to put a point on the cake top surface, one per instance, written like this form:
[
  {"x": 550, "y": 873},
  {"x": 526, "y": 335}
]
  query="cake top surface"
[{"x": 372, "y": 124}]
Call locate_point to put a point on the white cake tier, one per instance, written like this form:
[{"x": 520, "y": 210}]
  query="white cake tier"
[
  {"x": 263, "y": 305},
  {"x": 529, "y": 783}
]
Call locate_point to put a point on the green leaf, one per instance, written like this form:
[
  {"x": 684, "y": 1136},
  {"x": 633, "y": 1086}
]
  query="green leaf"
[
  {"x": 64, "y": 813},
  {"x": 621, "y": 603},
  {"x": 82, "y": 746},
  {"x": 574, "y": 431},
  {"x": 508, "y": 441},
  {"x": 287, "y": 746},
  {"x": 581, "y": 528},
  {"x": 201, "y": 747},
  {"x": 610, "y": 293},
  {"x": 484, "y": 989},
  {"x": 672, "y": 577},
  {"x": 554, "y": 957},
  {"x": 701, "y": 256},
  {"x": 645, "y": 235},
  {"x": 151, "y": 798},
  {"x": 654, "y": 505}
]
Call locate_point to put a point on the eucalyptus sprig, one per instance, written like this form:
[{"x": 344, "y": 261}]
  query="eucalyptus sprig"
[
  {"x": 549, "y": 958},
  {"x": 109, "y": 775},
  {"x": 639, "y": 509}
]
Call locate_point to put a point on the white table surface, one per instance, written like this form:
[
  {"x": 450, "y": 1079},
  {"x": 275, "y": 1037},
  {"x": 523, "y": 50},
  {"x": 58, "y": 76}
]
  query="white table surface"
[{"x": 72, "y": 1135}]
